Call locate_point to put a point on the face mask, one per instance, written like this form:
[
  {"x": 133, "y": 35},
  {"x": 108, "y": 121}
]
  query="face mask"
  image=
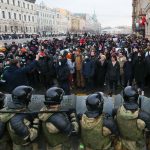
[
  {"x": 59, "y": 63},
  {"x": 86, "y": 57},
  {"x": 129, "y": 60}
]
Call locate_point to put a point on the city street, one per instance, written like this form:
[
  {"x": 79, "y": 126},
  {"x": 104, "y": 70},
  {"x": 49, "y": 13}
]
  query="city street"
[{"x": 74, "y": 75}]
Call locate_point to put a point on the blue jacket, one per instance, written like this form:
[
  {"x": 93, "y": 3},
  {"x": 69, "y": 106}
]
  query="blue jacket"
[
  {"x": 88, "y": 68},
  {"x": 15, "y": 76}
]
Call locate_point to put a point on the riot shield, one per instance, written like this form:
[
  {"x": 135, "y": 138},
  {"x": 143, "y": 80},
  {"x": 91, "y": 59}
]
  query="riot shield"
[
  {"x": 81, "y": 105},
  {"x": 37, "y": 102},
  {"x": 118, "y": 101},
  {"x": 108, "y": 106},
  {"x": 145, "y": 103}
]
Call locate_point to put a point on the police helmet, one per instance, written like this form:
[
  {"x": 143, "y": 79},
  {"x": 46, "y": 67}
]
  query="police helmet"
[
  {"x": 94, "y": 103},
  {"x": 2, "y": 98},
  {"x": 54, "y": 96},
  {"x": 22, "y": 95},
  {"x": 130, "y": 95}
]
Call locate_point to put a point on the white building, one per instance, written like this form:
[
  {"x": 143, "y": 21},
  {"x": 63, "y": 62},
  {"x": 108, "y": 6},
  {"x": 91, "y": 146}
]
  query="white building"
[
  {"x": 17, "y": 16},
  {"x": 63, "y": 20},
  {"x": 46, "y": 18},
  {"x": 90, "y": 23}
]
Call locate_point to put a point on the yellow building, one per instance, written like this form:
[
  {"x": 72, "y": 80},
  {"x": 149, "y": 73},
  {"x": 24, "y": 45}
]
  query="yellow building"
[{"x": 64, "y": 20}]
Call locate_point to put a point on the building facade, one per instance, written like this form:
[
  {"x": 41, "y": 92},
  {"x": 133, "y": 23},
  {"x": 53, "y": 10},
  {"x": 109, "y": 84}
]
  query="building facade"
[
  {"x": 147, "y": 27},
  {"x": 140, "y": 16},
  {"x": 46, "y": 19},
  {"x": 78, "y": 24},
  {"x": 63, "y": 20},
  {"x": 26, "y": 17},
  {"x": 87, "y": 23},
  {"x": 18, "y": 16}
]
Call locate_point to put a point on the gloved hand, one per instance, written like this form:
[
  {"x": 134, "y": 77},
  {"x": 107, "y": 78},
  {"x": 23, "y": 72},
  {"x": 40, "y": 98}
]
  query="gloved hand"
[
  {"x": 36, "y": 123},
  {"x": 74, "y": 122}
]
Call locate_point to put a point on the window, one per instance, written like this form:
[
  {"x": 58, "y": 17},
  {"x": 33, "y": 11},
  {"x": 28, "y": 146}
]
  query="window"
[
  {"x": 28, "y": 6},
  {"x": 24, "y": 17},
  {"x": 9, "y": 15},
  {"x": 33, "y": 18},
  {"x": 32, "y": 7},
  {"x": 13, "y": 2},
  {"x": 14, "y": 15},
  {"x": 18, "y": 3},
  {"x": 2, "y": 1},
  {"x": 5, "y": 28},
  {"x": 29, "y": 18},
  {"x": 3, "y": 14},
  {"x": 11, "y": 28},
  {"x": 16, "y": 28},
  {"x": 7, "y": 1},
  {"x": 19, "y": 16},
  {"x": 24, "y": 5},
  {"x": 26, "y": 29}
]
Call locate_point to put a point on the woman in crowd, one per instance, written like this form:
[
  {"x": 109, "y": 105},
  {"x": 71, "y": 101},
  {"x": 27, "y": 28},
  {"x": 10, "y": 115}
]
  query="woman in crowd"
[{"x": 113, "y": 73}]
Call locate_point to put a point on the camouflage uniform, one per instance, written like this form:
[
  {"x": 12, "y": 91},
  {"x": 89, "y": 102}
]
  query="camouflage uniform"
[
  {"x": 94, "y": 135},
  {"x": 22, "y": 141},
  {"x": 131, "y": 129},
  {"x": 56, "y": 140},
  {"x": 5, "y": 141}
]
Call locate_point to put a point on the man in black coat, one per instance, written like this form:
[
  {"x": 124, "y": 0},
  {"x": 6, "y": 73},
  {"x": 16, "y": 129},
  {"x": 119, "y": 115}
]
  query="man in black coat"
[
  {"x": 101, "y": 68},
  {"x": 128, "y": 72},
  {"x": 140, "y": 71},
  {"x": 16, "y": 76},
  {"x": 62, "y": 71}
]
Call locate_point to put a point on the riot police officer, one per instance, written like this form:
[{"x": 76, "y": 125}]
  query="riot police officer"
[
  {"x": 5, "y": 142},
  {"x": 132, "y": 122},
  {"x": 57, "y": 127},
  {"x": 22, "y": 126},
  {"x": 96, "y": 128}
]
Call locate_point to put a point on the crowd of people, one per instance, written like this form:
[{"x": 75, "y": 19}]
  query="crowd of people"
[
  {"x": 83, "y": 62},
  {"x": 24, "y": 36}
]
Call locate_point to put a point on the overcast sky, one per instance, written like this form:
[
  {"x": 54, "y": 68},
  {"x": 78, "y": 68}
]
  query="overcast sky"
[{"x": 109, "y": 12}]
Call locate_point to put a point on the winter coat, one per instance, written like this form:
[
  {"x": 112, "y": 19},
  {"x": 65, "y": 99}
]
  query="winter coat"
[
  {"x": 128, "y": 69},
  {"x": 78, "y": 61},
  {"x": 15, "y": 76},
  {"x": 62, "y": 71},
  {"x": 88, "y": 68},
  {"x": 100, "y": 70},
  {"x": 113, "y": 72},
  {"x": 43, "y": 66},
  {"x": 139, "y": 70}
]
